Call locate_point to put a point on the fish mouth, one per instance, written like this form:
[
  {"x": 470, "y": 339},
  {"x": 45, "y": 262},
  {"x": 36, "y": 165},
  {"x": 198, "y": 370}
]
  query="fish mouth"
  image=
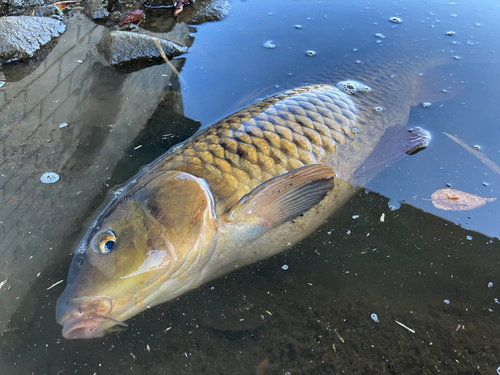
[
  {"x": 88, "y": 327},
  {"x": 82, "y": 318}
]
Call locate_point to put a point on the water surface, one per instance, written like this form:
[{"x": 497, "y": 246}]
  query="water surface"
[{"x": 431, "y": 270}]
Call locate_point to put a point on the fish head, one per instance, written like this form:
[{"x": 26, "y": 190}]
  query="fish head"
[{"x": 147, "y": 247}]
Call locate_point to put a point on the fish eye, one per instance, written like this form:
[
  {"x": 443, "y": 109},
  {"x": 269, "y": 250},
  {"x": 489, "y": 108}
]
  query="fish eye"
[{"x": 103, "y": 242}]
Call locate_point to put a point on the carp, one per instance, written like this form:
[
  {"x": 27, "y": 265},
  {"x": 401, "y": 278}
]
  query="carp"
[{"x": 241, "y": 190}]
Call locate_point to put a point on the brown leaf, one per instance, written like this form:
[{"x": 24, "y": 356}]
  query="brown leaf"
[
  {"x": 456, "y": 200},
  {"x": 179, "y": 6},
  {"x": 262, "y": 367},
  {"x": 134, "y": 17}
]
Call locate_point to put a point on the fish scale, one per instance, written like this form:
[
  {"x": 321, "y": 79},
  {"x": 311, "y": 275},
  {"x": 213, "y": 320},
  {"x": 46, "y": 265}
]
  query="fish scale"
[{"x": 274, "y": 136}]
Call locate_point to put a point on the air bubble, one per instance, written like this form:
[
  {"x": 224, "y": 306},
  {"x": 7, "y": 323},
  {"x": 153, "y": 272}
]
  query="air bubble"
[
  {"x": 395, "y": 20},
  {"x": 486, "y": 183},
  {"x": 469, "y": 238},
  {"x": 477, "y": 148},
  {"x": 310, "y": 53},
  {"x": 298, "y": 26},
  {"x": 350, "y": 87},
  {"x": 63, "y": 125},
  {"x": 490, "y": 285},
  {"x": 378, "y": 109},
  {"x": 374, "y": 318},
  {"x": 450, "y": 33},
  {"x": 269, "y": 44},
  {"x": 426, "y": 104},
  {"x": 284, "y": 267},
  {"x": 456, "y": 57},
  {"x": 380, "y": 36},
  {"x": 447, "y": 301},
  {"x": 49, "y": 178}
]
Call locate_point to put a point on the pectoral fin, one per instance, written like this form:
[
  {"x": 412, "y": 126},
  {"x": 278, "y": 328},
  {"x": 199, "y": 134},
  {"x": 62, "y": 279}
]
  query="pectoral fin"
[
  {"x": 393, "y": 146},
  {"x": 281, "y": 199}
]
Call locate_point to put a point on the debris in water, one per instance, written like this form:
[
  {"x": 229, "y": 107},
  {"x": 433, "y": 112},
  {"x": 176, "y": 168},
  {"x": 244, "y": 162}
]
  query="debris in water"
[
  {"x": 456, "y": 200},
  {"x": 374, "y": 317},
  {"x": 426, "y": 104},
  {"x": 450, "y": 33},
  {"x": 380, "y": 36},
  {"x": 469, "y": 238},
  {"x": 447, "y": 301},
  {"x": 395, "y": 20},
  {"x": 378, "y": 109},
  {"x": 355, "y": 216},
  {"x": 166, "y": 330},
  {"x": 298, "y": 26},
  {"x": 382, "y": 218},
  {"x": 475, "y": 151},
  {"x": 310, "y": 53},
  {"x": 135, "y": 17},
  {"x": 262, "y": 367},
  {"x": 408, "y": 328},
  {"x": 179, "y": 6},
  {"x": 53, "y": 285},
  {"x": 2, "y": 84},
  {"x": 63, "y": 125},
  {"x": 49, "y": 178},
  {"x": 269, "y": 44},
  {"x": 148, "y": 348},
  {"x": 3, "y": 283},
  {"x": 284, "y": 267},
  {"x": 490, "y": 285}
]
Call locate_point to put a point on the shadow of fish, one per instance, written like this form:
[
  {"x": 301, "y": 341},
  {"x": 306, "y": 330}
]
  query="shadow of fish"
[{"x": 241, "y": 190}]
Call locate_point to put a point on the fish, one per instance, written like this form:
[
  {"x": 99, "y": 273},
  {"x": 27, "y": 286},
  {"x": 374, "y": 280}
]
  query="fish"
[{"x": 241, "y": 190}]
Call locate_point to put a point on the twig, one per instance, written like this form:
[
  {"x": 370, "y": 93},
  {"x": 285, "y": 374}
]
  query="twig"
[
  {"x": 495, "y": 168},
  {"x": 164, "y": 56},
  {"x": 408, "y": 328},
  {"x": 53, "y": 285}
]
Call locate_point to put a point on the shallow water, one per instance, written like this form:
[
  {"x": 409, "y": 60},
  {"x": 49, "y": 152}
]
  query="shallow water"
[{"x": 313, "y": 316}]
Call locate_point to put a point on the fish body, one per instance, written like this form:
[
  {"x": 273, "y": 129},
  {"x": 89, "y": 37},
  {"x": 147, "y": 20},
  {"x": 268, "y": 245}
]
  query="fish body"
[{"x": 237, "y": 192}]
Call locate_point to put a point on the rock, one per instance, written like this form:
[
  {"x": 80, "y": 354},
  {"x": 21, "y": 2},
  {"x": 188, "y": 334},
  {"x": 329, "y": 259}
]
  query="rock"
[
  {"x": 95, "y": 9},
  {"x": 204, "y": 11},
  {"x": 22, "y": 37},
  {"x": 120, "y": 47}
]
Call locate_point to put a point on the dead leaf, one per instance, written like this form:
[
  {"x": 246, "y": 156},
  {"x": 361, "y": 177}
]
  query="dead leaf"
[
  {"x": 456, "y": 200},
  {"x": 179, "y": 6},
  {"x": 262, "y": 367},
  {"x": 134, "y": 17}
]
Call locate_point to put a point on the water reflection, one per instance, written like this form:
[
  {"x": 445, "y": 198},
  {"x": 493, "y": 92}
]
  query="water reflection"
[{"x": 315, "y": 316}]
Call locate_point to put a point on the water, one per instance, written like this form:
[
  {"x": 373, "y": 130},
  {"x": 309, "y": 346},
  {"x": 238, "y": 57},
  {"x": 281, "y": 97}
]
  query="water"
[{"x": 314, "y": 315}]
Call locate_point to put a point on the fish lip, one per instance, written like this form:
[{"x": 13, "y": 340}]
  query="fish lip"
[{"x": 82, "y": 328}]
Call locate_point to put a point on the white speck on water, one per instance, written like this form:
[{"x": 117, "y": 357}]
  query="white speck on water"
[
  {"x": 310, "y": 53},
  {"x": 490, "y": 285},
  {"x": 426, "y": 104},
  {"x": 49, "y": 178},
  {"x": 479, "y": 24},
  {"x": 63, "y": 125},
  {"x": 374, "y": 317},
  {"x": 2, "y": 84},
  {"x": 496, "y": 300},
  {"x": 355, "y": 216},
  {"x": 354, "y": 50},
  {"x": 447, "y": 301},
  {"x": 380, "y": 36},
  {"x": 498, "y": 370},
  {"x": 395, "y": 20},
  {"x": 469, "y": 238},
  {"x": 269, "y": 44},
  {"x": 378, "y": 109},
  {"x": 349, "y": 231},
  {"x": 284, "y": 267},
  {"x": 298, "y": 26}
]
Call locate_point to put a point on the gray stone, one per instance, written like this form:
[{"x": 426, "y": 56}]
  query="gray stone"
[
  {"x": 21, "y": 37},
  {"x": 120, "y": 47},
  {"x": 204, "y": 11},
  {"x": 95, "y": 9}
]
